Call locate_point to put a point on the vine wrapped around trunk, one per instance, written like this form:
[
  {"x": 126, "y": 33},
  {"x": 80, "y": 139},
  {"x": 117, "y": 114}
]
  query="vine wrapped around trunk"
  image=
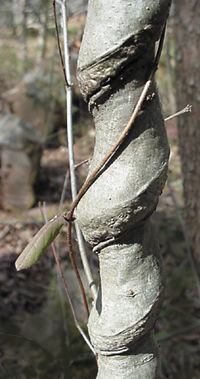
[{"x": 115, "y": 60}]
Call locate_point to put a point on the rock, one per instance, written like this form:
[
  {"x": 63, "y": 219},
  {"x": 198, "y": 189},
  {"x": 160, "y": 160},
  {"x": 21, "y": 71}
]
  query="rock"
[{"x": 33, "y": 102}]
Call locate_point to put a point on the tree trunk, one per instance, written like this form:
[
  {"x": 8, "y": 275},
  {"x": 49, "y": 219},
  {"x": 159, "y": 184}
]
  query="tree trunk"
[
  {"x": 186, "y": 28},
  {"x": 23, "y": 37},
  {"x": 115, "y": 60},
  {"x": 43, "y": 33}
]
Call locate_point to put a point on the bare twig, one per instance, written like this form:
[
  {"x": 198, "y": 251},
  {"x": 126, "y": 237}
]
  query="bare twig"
[
  {"x": 67, "y": 75},
  {"x": 21, "y": 223},
  {"x": 187, "y": 109},
  {"x": 64, "y": 189},
  {"x": 62, "y": 198},
  {"x": 58, "y": 39},
  {"x": 81, "y": 163},
  {"x": 4, "y": 232},
  {"x": 65, "y": 285}
]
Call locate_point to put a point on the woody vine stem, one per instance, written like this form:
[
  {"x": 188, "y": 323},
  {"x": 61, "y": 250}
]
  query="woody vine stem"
[{"x": 116, "y": 70}]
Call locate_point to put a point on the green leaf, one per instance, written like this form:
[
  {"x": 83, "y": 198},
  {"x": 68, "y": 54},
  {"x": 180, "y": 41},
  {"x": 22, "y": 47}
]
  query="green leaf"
[{"x": 40, "y": 242}]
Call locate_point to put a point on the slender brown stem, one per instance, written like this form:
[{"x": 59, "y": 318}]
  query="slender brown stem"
[
  {"x": 75, "y": 268},
  {"x": 187, "y": 109},
  {"x": 81, "y": 163},
  {"x": 59, "y": 45}
]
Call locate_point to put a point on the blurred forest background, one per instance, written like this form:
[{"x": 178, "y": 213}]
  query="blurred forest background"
[{"x": 38, "y": 338}]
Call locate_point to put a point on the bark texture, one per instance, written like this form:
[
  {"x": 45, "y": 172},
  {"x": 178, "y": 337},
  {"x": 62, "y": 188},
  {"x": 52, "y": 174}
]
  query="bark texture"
[
  {"x": 187, "y": 30},
  {"x": 115, "y": 59}
]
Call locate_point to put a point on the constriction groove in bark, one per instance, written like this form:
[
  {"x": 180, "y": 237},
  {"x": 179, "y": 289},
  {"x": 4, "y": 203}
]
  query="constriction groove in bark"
[{"x": 116, "y": 57}]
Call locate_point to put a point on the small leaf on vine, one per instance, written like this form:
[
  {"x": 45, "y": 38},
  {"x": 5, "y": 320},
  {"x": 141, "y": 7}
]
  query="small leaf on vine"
[{"x": 40, "y": 242}]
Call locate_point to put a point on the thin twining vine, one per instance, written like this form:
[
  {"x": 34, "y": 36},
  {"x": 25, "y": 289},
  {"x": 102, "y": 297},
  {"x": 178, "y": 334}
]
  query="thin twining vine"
[{"x": 49, "y": 232}]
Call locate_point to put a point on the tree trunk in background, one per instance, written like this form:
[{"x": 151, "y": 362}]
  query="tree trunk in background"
[
  {"x": 24, "y": 4},
  {"x": 115, "y": 60},
  {"x": 43, "y": 31},
  {"x": 187, "y": 40}
]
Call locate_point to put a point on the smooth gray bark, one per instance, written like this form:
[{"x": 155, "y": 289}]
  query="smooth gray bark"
[{"x": 115, "y": 60}]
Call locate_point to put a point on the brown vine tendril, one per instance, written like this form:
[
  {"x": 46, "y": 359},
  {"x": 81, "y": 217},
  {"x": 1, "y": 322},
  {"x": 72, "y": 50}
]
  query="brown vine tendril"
[
  {"x": 59, "y": 44},
  {"x": 74, "y": 266}
]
